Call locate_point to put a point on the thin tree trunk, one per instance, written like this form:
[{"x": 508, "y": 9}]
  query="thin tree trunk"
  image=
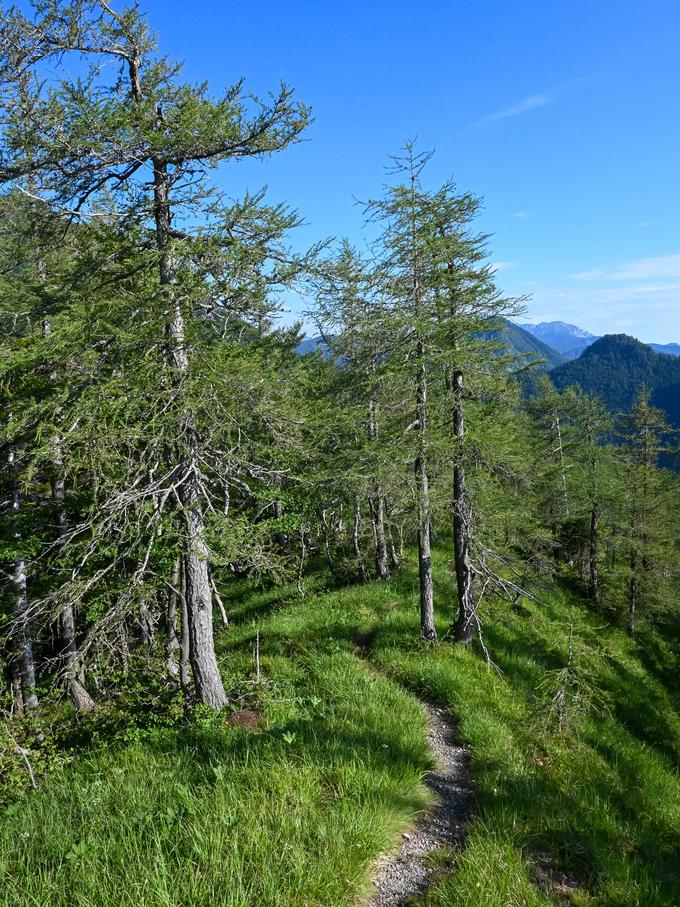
[
  {"x": 25, "y": 644},
  {"x": 124, "y": 649},
  {"x": 67, "y": 621},
  {"x": 594, "y": 584},
  {"x": 633, "y": 592},
  {"x": 560, "y": 452},
  {"x": 281, "y": 538},
  {"x": 325, "y": 525},
  {"x": 427, "y": 627},
  {"x": 394, "y": 558},
  {"x": 356, "y": 529},
  {"x": 15, "y": 685},
  {"x": 22, "y": 634},
  {"x": 377, "y": 504},
  {"x": 184, "y": 666},
  {"x": 145, "y": 626},
  {"x": 466, "y": 620}
]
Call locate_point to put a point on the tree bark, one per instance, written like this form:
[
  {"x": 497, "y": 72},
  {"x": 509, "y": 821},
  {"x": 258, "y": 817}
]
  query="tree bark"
[
  {"x": 22, "y": 634},
  {"x": 356, "y": 529},
  {"x": 281, "y": 537},
  {"x": 184, "y": 674},
  {"x": 67, "y": 621},
  {"x": 633, "y": 592},
  {"x": 25, "y": 644},
  {"x": 171, "y": 641},
  {"x": 394, "y": 557},
  {"x": 377, "y": 504},
  {"x": 594, "y": 584},
  {"x": 427, "y": 627},
  {"x": 466, "y": 619}
]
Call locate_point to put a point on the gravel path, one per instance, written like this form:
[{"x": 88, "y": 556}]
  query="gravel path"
[{"x": 409, "y": 872}]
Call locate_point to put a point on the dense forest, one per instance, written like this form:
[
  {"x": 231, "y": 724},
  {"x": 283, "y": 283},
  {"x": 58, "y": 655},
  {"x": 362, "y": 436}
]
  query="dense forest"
[
  {"x": 231, "y": 570},
  {"x": 617, "y": 366}
]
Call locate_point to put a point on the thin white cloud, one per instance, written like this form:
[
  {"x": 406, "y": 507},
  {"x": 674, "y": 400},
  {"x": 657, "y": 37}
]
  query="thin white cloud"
[
  {"x": 524, "y": 106},
  {"x": 592, "y": 274},
  {"x": 499, "y": 266},
  {"x": 521, "y": 215},
  {"x": 662, "y": 267}
]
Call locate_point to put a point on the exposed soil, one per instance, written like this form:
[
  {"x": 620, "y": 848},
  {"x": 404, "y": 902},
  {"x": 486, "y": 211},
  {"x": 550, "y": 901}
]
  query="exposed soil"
[
  {"x": 411, "y": 871},
  {"x": 248, "y": 719}
]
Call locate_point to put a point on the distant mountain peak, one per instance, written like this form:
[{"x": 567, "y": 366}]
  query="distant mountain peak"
[
  {"x": 568, "y": 339},
  {"x": 549, "y": 326}
]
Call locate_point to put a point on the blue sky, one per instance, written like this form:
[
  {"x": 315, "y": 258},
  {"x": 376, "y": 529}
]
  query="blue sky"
[{"x": 564, "y": 116}]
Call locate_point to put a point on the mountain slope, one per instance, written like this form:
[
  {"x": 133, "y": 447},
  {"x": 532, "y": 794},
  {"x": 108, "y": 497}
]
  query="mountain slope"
[
  {"x": 311, "y": 345},
  {"x": 521, "y": 342},
  {"x": 668, "y": 349},
  {"x": 617, "y": 366}
]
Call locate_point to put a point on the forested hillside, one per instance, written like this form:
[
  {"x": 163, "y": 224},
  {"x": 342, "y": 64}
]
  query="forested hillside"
[
  {"x": 616, "y": 367},
  {"x": 236, "y": 580}
]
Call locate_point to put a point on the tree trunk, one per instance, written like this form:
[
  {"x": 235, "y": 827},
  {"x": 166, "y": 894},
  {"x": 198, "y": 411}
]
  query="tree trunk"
[
  {"x": 15, "y": 685},
  {"x": 427, "y": 627},
  {"x": 466, "y": 620},
  {"x": 22, "y": 634},
  {"x": 281, "y": 537},
  {"x": 356, "y": 529},
  {"x": 594, "y": 585},
  {"x": 198, "y": 595},
  {"x": 633, "y": 592},
  {"x": 74, "y": 669},
  {"x": 377, "y": 505},
  {"x": 25, "y": 645},
  {"x": 171, "y": 641},
  {"x": 67, "y": 621},
  {"x": 184, "y": 676},
  {"x": 560, "y": 453},
  {"x": 145, "y": 629},
  {"x": 325, "y": 525},
  {"x": 394, "y": 557}
]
